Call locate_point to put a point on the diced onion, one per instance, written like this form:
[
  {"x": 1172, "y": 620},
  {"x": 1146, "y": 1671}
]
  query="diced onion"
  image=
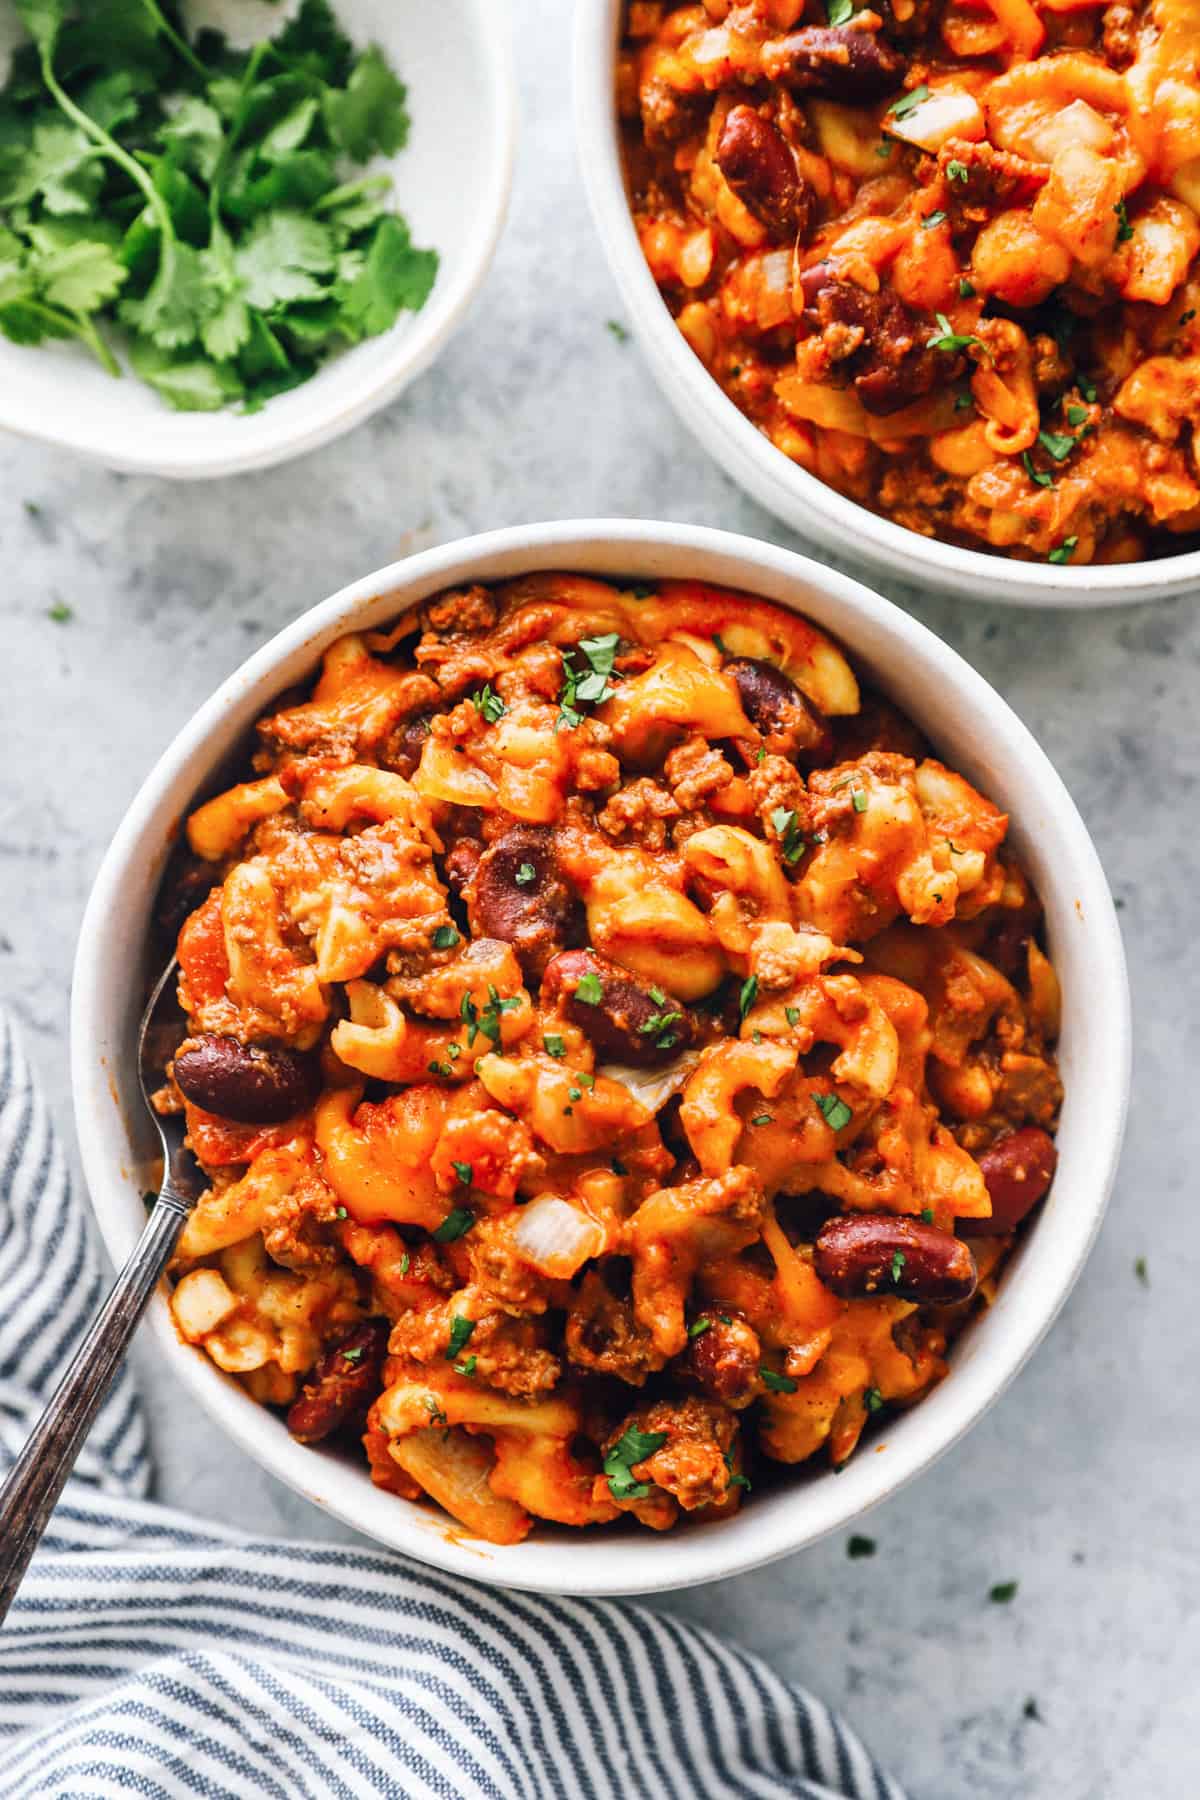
[
  {"x": 653, "y": 1087},
  {"x": 555, "y": 1237},
  {"x": 944, "y": 115}
]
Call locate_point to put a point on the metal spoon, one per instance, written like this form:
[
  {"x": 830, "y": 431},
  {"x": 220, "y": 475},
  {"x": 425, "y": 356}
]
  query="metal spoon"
[{"x": 35, "y": 1481}]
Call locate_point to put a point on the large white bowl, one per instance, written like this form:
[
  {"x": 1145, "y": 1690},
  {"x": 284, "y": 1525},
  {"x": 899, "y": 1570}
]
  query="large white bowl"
[
  {"x": 972, "y": 728},
  {"x": 790, "y": 492},
  {"x": 451, "y": 181}
]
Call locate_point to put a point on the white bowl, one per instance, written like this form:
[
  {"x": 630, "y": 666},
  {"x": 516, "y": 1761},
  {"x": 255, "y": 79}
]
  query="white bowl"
[
  {"x": 452, "y": 183},
  {"x": 973, "y": 729},
  {"x": 790, "y": 492}
]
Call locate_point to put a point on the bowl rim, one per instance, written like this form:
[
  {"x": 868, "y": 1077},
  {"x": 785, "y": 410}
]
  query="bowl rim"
[
  {"x": 854, "y": 614},
  {"x": 413, "y": 350},
  {"x": 750, "y": 458}
]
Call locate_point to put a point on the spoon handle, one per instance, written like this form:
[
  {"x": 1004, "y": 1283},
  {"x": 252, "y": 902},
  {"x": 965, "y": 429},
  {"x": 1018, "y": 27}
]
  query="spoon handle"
[{"x": 35, "y": 1481}]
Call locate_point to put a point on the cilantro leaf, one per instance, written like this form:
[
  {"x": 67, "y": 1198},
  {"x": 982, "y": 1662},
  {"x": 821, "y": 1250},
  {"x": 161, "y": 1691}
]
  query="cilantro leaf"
[
  {"x": 368, "y": 117},
  {"x": 280, "y": 258},
  {"x": 178, "y": 301},
  {"x": 632, "y": 1447},
  {"x": 80, "y": 277},
  {"x": 197, "y": 136},
  {"x": 394, "y": 277},
  {"x": 186, "y": 383}
]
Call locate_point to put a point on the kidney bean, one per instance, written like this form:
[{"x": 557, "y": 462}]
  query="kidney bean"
[
  {"x": 725, "y": 1358},
  {"x": 860, "y": 1254},
  {"x": 407, "y": 742},
  {"x": 753, "y": 156},
  {"x": 343, "y": 1384},
  {"x": 1017, "y": 1169},
  {"x": 185, "y": 885},
  {"x": 537, "y": 917},
  {"x": 775, "y": 706},
  {"x": 835, "y": 62},
  {"x": 462, "y": 860},
  {"x": 243, "y": 1082},
  {"x": 889, "y": 361},
  {"x": 626, "y": 1023}
]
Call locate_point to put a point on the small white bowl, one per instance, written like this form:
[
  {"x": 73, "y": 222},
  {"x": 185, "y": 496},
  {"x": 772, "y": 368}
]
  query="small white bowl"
[
  {"x": 451, "y": 182},
  {"x": 972, "y": 728},
  {"x": 747, "y": 456}
]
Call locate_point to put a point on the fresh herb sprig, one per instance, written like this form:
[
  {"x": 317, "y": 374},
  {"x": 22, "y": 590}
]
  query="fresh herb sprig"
[{"x": 196, "y": 197}]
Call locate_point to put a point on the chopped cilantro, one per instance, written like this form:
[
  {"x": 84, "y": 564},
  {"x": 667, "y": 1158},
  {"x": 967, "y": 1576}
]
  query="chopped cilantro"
[
  {"x": 619, "y": 331},
  {"x": 958, "y": 171},
  {"x": 748, "y": 994},
  {"x": 1062, "y": 552},
  {"x": 1124, "y": 228},
  {"x": 590, "y": 989},
  {"x": 553, "y": 1044},
  {"x": 901, "y": 108},
  {"x": 460, "y": 1335},
  {"x": 1058, "y": 444},
  {"x": 445, "y": 937},
  {"x": 588, "y": 686},
  {"x": 526, "y": 875},
  {"x": 835, "y": 1112},
  {"x": 898, "y": 1261},
  {"x": 60, "y": 612},
  {"x": 1041, "y": 477},
  {"x": 464, "y": 1171},
  {"x": 487, "y": 704},
  {"x": 776, "y": 1383},
  {"x": 858, "y": 1545},
  {"x": 659, "y": 1026},
  {"x": 455, "y": 1225},
  {"x": 947, "y": 339},
  {"x": 487, "y": 1021},
  {"x": 632, "y": 1447},
  {"x": 791, "y": 838},
  {"x": 1001, "y": 1592},
  {"x": 932, "y": 219}
]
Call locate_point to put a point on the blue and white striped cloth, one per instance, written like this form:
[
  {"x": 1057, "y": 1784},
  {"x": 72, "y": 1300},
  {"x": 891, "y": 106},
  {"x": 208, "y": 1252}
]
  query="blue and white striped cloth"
[{"x": 153, "y": 1654}]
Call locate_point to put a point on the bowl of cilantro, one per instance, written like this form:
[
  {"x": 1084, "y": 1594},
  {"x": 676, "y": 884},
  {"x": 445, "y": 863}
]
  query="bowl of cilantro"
[{"x": 231, "y": 231}]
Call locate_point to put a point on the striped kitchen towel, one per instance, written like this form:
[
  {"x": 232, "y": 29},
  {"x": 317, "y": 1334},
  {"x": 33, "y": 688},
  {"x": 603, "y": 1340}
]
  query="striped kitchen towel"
[{"x": 154, "y": 1654}]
